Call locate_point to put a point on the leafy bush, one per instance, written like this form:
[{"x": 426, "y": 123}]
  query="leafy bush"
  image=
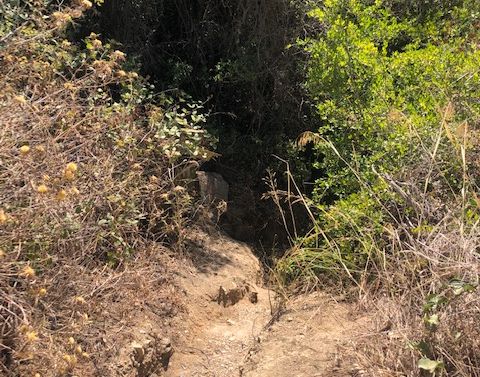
[
  {"x": 12, "y": 14},
  {"x": 396, "y": 212},
  {"x": 384, "y": 111},
  {"x": 231, "y": 54}
]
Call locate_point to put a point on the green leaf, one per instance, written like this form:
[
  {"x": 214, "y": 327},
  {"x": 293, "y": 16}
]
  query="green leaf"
[
  {"x": 433, "y": 302},
  {"x": 460, "y": 287},
  {"x": 433, "y": 320},
  {"x": 430, "y": 365},
  {"x": 421, "y": 346}
]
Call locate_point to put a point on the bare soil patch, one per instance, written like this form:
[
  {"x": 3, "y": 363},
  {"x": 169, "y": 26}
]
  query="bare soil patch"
[{"x": 233, "y": 326}]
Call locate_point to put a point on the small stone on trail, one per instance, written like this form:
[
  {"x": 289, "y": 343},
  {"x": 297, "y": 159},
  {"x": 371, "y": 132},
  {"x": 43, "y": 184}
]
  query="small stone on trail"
[{"x": 253, "y": 297}]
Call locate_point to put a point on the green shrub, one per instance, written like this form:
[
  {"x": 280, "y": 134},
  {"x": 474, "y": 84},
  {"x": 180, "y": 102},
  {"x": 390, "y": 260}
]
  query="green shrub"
[
  {"x": 387, "y": 107},
  {"x": 396, "y": 212}
]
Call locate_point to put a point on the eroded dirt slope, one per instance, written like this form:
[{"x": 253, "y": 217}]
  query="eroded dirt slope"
[
  {"x": 227, "y": 327},
  {"x": 226, "y": 308}
]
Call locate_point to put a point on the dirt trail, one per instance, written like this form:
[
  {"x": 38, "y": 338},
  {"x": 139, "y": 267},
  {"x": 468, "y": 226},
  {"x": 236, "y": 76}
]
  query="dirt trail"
[
  {"x": 227, "y": 328},
  {"x": 304, "y": 342}
]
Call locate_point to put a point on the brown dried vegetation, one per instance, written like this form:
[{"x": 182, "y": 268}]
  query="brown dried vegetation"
[{"x": 86, "y": 188}]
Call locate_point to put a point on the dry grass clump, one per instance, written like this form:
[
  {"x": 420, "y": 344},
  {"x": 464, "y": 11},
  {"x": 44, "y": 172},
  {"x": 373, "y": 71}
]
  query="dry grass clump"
[
  {"x": 421, "y": 283},
  {"x": 427, "y": 307},
  {"x": 87, "y": 161},
  {"x": 424, "y": 289},
  {"x": 425, "y": 285}
]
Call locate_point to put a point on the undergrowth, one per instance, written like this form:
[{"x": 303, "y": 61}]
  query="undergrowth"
[
  {"x": 396, "y": 212},
  {"x": 91, "y": 158},
  {"x": 88, "y": 160}
]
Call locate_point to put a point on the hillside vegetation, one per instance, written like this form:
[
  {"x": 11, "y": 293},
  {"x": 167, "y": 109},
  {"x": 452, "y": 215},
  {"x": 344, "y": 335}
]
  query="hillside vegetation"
[
  {"x": 373, "y": 104},
  {"x": 396, "y": 210},
  {"x": 88, "y": 153}
]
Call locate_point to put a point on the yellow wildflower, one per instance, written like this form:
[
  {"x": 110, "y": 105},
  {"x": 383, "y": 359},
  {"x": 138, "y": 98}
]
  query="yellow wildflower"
[
  {"x": 42, "y": 189},
  {"x": 3, "y": 216},
  {"x": 9, "y": 59},
  {"x": 70, "y": 359},
  {"x": 28, "y": 272},
  {"x": 42, "y": 292},
  {"x": 74, "y": 191},
  {"x": 69, "y": 175},
  {"x": 24, "y": 149},
  {"x": 61, "y": 195},
  {"x": 68, "y": 86},
  {"x": 61, "y": 18},
  {"x": 96, "y": 43},
  {"x": 86, "y": 4},
  {"x": 31, "y": 336},
  {"x": 72, "y": 166},
  {"x": 118, "y": 55},
  {"x": 121, "y": 73}
]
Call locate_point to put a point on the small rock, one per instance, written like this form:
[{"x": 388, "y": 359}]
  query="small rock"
[
  {"x": 212, "y": 186},
  {"x": 165, "y": 342},
  {"x": 147, "y": 355},
  {"x": 138, "y": 354},
  {"x": 167, "y": 352},
  {"x": 253, "y": 297}
]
